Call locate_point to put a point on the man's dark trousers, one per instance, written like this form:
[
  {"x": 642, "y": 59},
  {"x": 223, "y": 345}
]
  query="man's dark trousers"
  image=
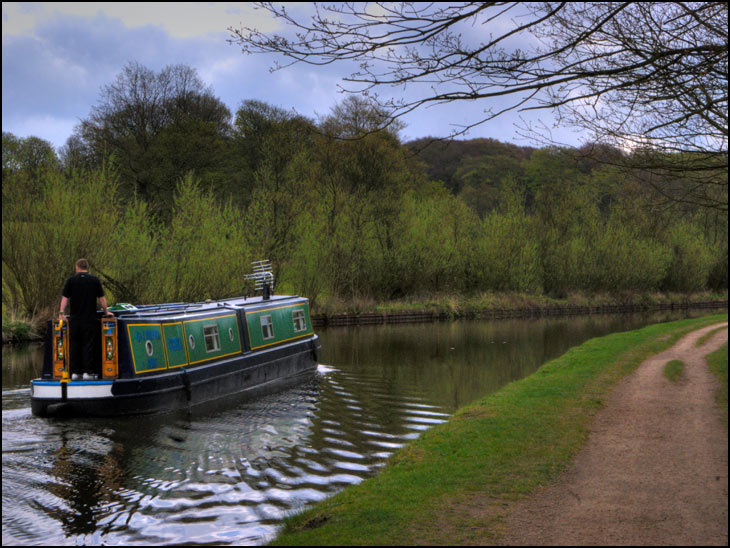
[{"x": 83, "y": 339}]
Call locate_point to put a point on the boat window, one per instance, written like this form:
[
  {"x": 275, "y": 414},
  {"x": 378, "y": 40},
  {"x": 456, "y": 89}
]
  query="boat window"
[
  {"x": 191, "y": 342},
  {"x": 212, "y": 340},
  {"x": 300, "y": 322},
  {"x": 267, "y": 327}
]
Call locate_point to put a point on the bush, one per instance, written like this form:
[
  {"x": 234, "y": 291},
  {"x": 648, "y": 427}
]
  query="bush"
[
  {"x": 718, "y": 274},
  {"x": 203, "y": 252},
  {"x": 691, "y": 260},
  {"x": 44, "y": 235},
  {"x": 130, "y": 275},
  {"x": 621, "y": 260},
  {"x": 436, "y": 247},
  {"x": 508, "y": 254}
]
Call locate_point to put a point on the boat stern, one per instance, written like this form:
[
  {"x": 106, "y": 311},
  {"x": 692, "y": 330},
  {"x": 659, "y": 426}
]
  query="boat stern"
[{"x": 53, "y": 397}]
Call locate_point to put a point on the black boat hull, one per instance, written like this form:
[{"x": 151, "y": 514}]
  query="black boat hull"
[{"x": 246, "y": 375}]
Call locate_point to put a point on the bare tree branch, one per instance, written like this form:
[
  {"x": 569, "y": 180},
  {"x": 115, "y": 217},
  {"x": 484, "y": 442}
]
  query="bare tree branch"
[{"x": 641, "y": 76}]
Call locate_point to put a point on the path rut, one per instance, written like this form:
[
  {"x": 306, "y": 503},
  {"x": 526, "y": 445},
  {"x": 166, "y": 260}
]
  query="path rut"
[{"x": 654, "y": 470}]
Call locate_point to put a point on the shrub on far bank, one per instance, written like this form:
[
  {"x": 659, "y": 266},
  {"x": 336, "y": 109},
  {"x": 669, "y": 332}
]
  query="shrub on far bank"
[
  {"x": 18, "y": 329},
  {"x": 691, "y": 261}
]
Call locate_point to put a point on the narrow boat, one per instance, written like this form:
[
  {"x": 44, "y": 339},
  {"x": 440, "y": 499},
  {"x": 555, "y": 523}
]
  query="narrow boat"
[{"x": 159, "y": 358}]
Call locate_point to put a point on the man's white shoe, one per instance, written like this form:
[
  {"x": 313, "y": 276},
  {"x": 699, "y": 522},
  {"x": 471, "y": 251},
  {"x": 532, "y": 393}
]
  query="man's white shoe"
[
  {"x": 75, "y": 377},
  {"x": 88, "y": 377}
]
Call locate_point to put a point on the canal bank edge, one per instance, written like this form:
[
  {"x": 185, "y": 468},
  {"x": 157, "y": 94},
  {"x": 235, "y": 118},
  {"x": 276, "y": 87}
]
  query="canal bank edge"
[
  {"x": 21, "y": 330},
  {"x": 533, "y": 311},
  {"x": 495, "y": 451}
]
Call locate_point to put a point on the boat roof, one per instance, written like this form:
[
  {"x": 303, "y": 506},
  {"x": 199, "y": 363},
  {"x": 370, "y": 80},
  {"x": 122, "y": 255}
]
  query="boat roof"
[{"x": 169, "y": 310}]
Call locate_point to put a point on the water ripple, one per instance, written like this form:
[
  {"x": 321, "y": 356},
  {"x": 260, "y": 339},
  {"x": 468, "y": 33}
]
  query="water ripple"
[
  {"x": 229, "y": 476},
  {"x": 226, "y": 478}
]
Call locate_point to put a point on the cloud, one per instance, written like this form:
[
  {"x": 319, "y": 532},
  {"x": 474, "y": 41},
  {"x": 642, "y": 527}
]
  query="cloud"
[
  {"x": 177, "y": 19},
  {"x": 50, "y": 128},
  {"x": 55, "y": 69},
  {"x": 57, "y": 57}
]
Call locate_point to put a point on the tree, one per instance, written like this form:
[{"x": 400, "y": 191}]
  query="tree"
[
  {"x": 43, "y": 234},
  {"x": 265, "y": 132},
  {"x": 356, "y": 117},
  {"x": 27, "y": 161},
  {"x": 363, "y": 174},
  {"x": 644, "y": 76},
  {"x": 30, "y": 155},
  {"x": 156, "y": 126}
]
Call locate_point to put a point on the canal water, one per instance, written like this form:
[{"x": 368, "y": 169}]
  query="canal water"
[{"x": 230, "y": 475}]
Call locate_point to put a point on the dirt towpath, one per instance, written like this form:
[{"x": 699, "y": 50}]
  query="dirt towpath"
[{"x": 655, "y": 468}]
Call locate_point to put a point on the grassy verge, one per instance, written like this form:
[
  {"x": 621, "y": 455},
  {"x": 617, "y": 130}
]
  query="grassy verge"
[
  {"x": 454, "y": 305},
  {"x": 673, "y": 370},
  {"x": 454, "y": 483},
  {"x": 718, "y": 365},
  {"x": 17, "y": 328},
  {"x": 707, "y": 336}
]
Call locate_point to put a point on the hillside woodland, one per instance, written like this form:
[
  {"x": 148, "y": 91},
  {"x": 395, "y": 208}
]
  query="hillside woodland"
[{"x": 171, "y": 196}]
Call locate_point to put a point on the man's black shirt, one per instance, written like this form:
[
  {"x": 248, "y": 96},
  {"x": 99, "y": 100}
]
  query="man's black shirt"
[{"x": 83, "y": 289}]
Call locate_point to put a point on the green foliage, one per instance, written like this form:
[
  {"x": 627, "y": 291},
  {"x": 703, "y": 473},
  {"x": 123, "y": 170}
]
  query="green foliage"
[
  {"x": 361, "y": 185},
  {"x": 621, "y": 260},
  {"x": 563, "y": 261},
  {"x": 444, "y": 159},
  {"x": 19, "y": 329},
  {"x": 718, "y": 274},
  {"x": 436, "y": 244},
  {"x": 691, "y": 260},
  {"x": 175, "y": 209},
  {"x": 483, "y": 181},
  {"x": 673, "y": 370},
  {"x": 718, "y": 365},
  {"x": 203, "y": 253},
  {"x": 43, "y": 236},
  {"x": 499, "y": 449},
  {"x": 306, "y": 270},
  {"x": 29, "y": 155},
  {"x": 508, "y": 255},
  {"x": 154, "y": 127},
  {"x": 130, "y": 271}
]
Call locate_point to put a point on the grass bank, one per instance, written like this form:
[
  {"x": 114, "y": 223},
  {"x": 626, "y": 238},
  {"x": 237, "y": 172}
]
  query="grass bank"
[
  {"x": 438, "y": 489},
  {"x": 459, "y": 306},
  {"x": 718, "y": 365},
  {"x": 707, "y": 336},
  {"x": 673, "y": 370},
  {"x": 18, "y": 328}
]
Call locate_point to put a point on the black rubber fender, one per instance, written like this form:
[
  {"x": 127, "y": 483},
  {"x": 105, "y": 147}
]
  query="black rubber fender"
[
  {"x": 315, "y": 351},
  {"x": 186, "y": 384}
]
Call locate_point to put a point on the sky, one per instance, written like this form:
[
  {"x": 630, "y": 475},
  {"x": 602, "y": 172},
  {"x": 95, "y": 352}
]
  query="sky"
[{"x": 56, "y": 57}]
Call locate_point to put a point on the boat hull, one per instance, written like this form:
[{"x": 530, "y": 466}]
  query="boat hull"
[{"x": 247, "y": 375}]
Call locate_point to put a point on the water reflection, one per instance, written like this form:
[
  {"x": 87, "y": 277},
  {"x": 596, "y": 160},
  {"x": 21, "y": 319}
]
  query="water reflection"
[
  {"x": 451, "y": 364},
  {"x": 87, "y": 484},
  {"x": 229, "y": 475}
]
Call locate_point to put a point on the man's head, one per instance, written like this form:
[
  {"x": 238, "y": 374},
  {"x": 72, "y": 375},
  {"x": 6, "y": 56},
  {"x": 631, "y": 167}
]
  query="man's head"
[{"x": 82, "y": 265}]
